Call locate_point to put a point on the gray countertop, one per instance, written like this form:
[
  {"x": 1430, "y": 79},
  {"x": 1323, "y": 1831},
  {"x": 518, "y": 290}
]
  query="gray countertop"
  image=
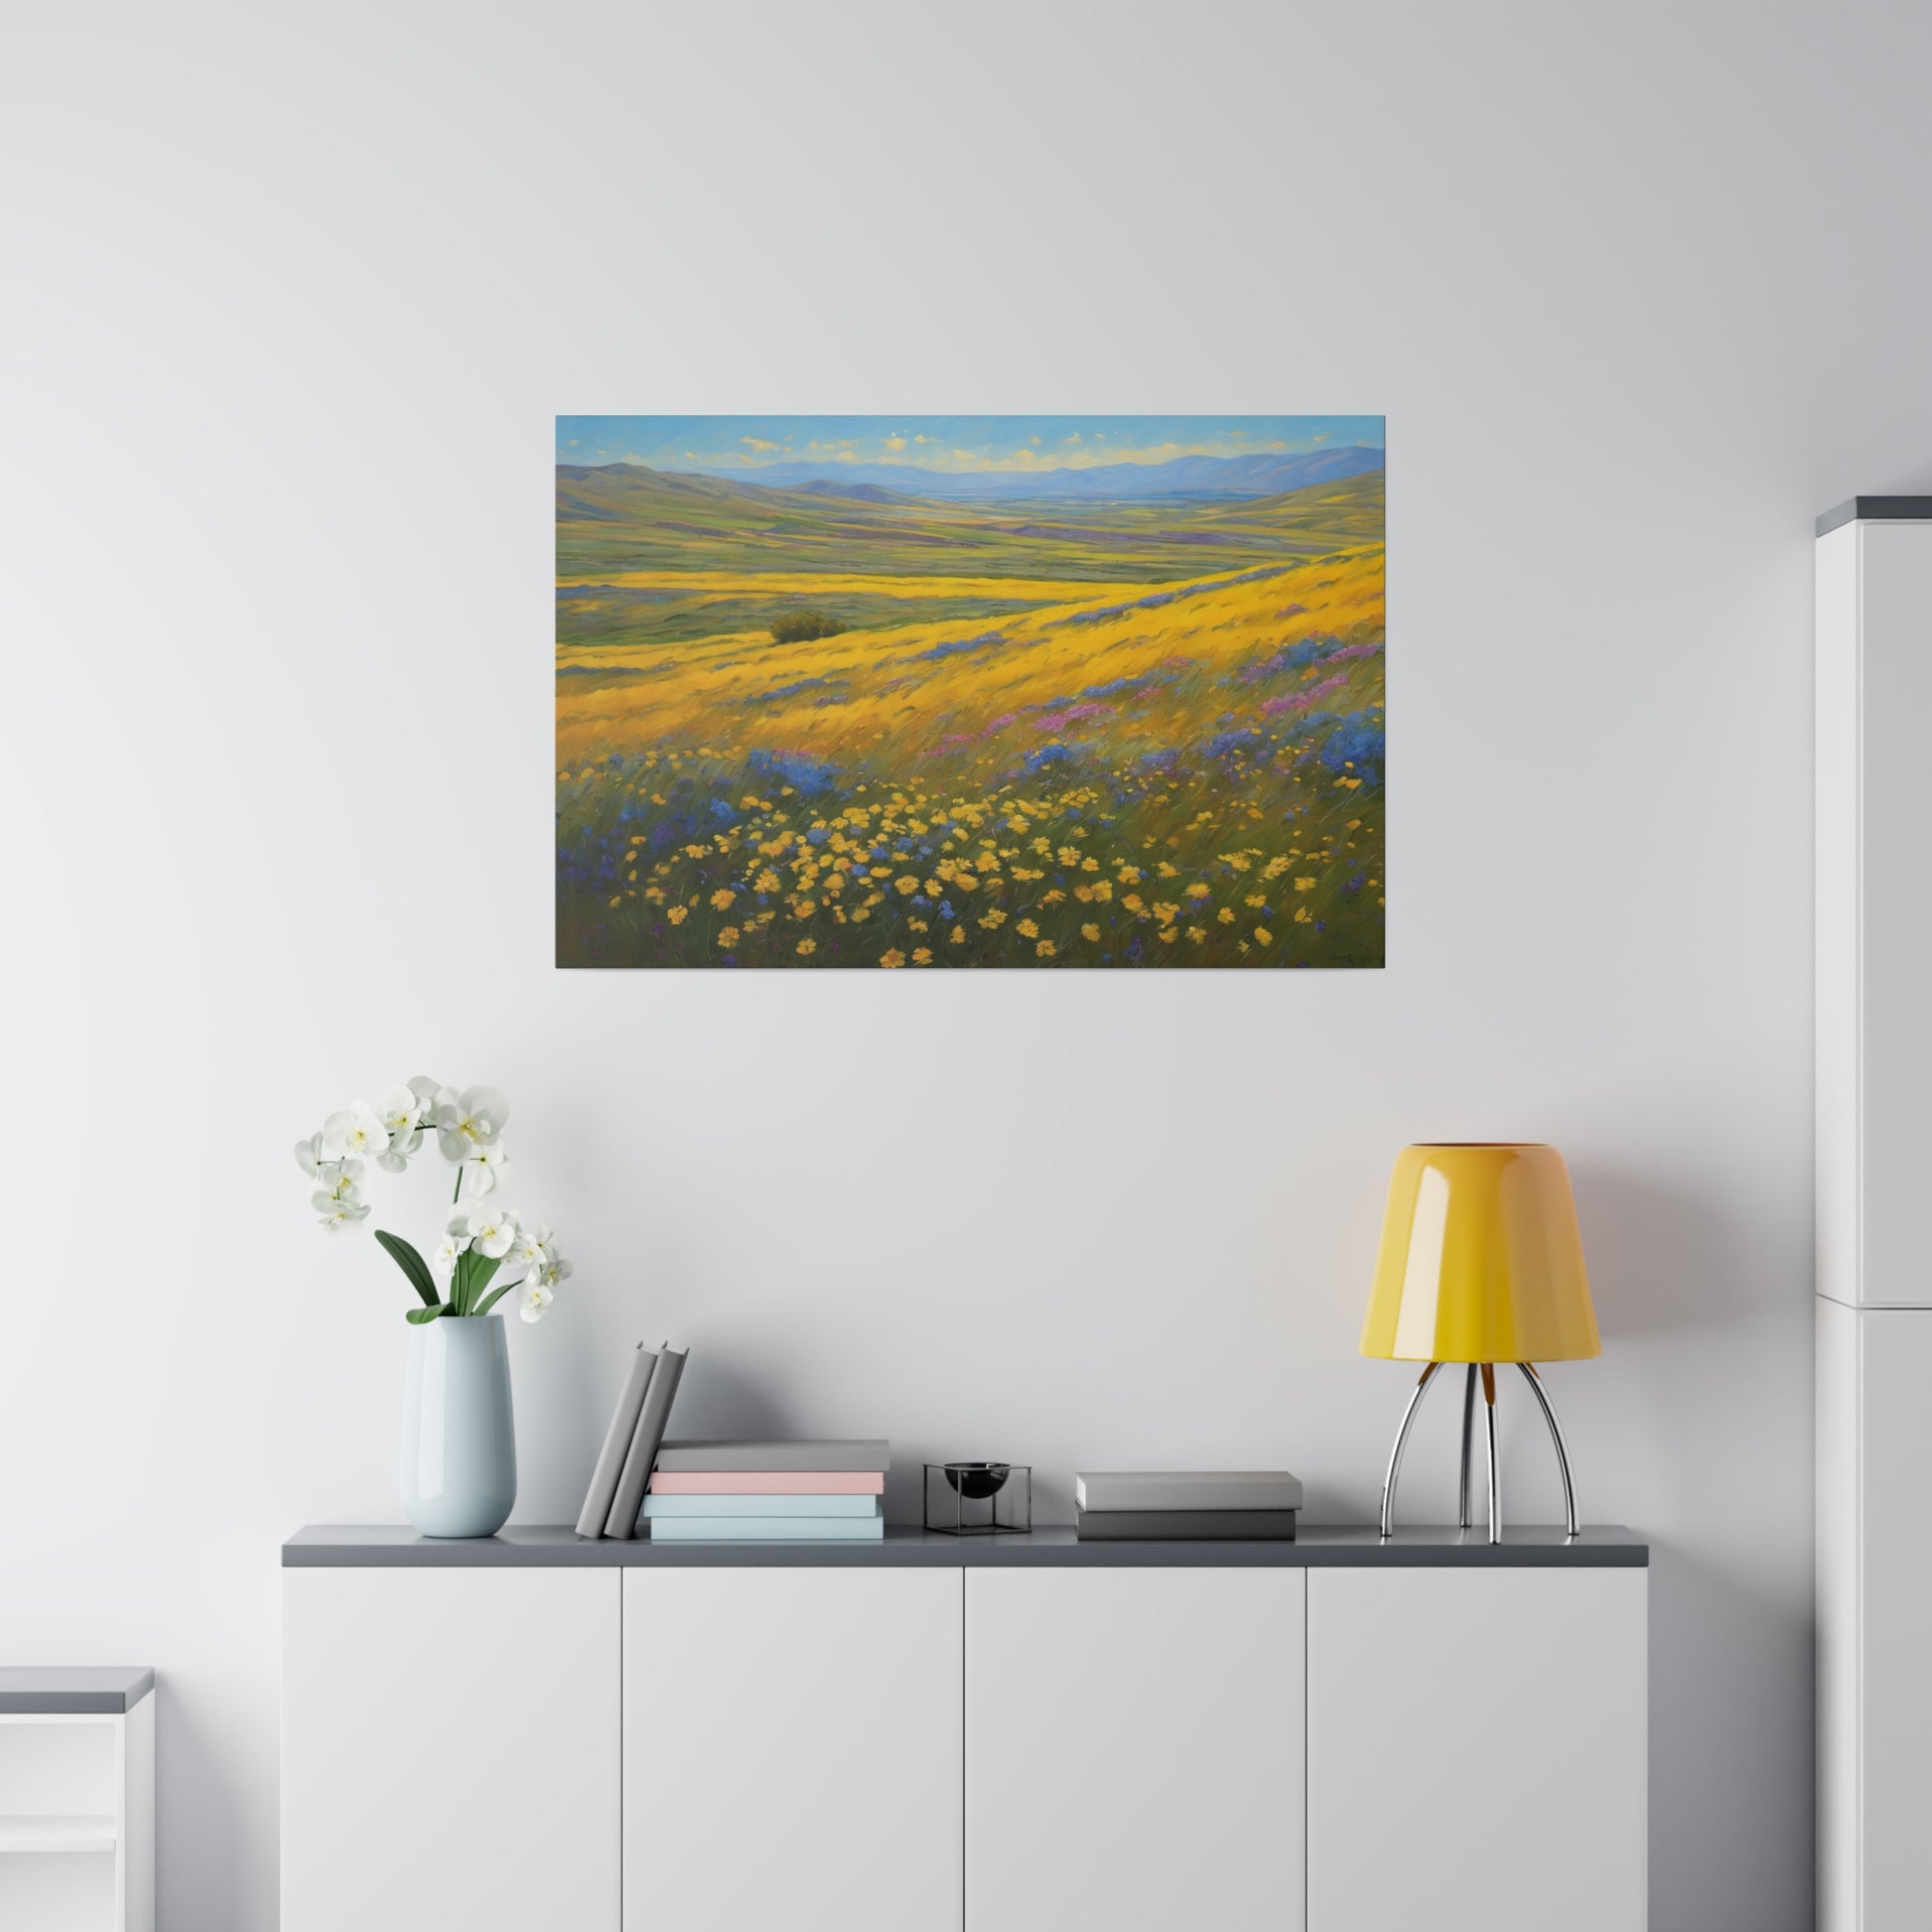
[
  {"x": 544, "y": 1546},
  {"x": 64, "y": 1690}
]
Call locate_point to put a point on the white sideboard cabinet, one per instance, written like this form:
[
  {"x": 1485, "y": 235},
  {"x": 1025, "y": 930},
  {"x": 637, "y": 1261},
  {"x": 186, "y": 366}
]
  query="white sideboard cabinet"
[
  {"x": 1874, "y": 1157},
  {"x": 947, "y": 1735},
  {"x": 77, "y": 1799}
]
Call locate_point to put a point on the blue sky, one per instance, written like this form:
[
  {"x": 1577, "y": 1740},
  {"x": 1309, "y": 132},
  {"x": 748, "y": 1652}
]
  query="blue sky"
[{"x": 960, "y": 443}]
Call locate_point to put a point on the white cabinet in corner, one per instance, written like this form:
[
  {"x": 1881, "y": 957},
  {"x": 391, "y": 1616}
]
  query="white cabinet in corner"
[
  {"x": 792, "y": 1750},
  {"x": 1134, "y": 1749},
  {"x": 450, "y": 1749},
  {"x": 1476, "y": 1750}
]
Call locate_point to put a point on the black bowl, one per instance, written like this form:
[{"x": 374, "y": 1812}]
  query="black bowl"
[{"x": 978, "y": 1481}]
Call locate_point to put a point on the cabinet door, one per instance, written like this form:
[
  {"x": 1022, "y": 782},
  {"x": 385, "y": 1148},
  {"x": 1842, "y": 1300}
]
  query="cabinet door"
[
  {"x": 1134, "y": 1749},
  {"x": 1476, "y": 1750},
  {"x": 1894, "y": 1545},
  {"x": 450, "y": 1749},
  {"x": 792, "y": 1750}
]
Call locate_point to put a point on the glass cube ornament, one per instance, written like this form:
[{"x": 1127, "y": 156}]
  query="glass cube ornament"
[{"x": 979, "y": 1498}]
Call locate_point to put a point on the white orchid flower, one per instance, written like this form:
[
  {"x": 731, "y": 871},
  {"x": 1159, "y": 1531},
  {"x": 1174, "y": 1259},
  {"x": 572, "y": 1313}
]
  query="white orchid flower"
[
  {"x": 531, "y": 1300},
  {"x": 339, "y": 1180},
  {"x": 401, "y": 1115},
  {"x": 532, "y": 1247},
  {"x": 307, "y": 1155},
  {"x": 552, "y": 1270},
  {"x": 488, "y": 1171},
  {"x": 491, "y": 1231},
  {"x": 341, "y": 1213},
  {"x": 469, "y": 1121},
  {"x": 357, "y": 1129}
]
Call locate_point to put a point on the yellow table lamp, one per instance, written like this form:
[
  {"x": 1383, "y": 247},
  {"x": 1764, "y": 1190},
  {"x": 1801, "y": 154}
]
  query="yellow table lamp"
[{"x": 1480, "y": 1263}]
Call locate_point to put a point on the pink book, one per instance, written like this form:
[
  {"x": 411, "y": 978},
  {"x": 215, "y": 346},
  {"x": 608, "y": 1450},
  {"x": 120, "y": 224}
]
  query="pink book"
[{"x": 770, "y": 1483}]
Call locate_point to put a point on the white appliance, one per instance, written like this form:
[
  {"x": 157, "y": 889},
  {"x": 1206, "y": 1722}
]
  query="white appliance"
[{"x": 1875, "y": 1215}]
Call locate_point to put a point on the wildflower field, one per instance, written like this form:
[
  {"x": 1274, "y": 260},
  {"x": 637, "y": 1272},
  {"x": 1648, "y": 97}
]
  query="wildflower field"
[{"x": 1037, "y": 733}]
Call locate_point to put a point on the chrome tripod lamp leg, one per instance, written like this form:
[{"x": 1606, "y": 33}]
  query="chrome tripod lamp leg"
[
  {"x": 1556, "y": 1435},
  {"x": 1496, "y": 1467},
  {"x": 1401, "y": 1440},
  {"x": 1465, "y": 1518}
]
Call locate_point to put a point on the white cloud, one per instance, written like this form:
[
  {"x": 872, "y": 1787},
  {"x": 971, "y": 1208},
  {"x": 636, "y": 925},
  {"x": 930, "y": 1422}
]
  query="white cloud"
[{"x": 757, "y": 443}]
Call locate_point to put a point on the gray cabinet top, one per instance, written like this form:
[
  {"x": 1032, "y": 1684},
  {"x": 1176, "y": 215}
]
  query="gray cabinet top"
[
  {"x": 1878, "y": 509},
  {"x": 86, "y": 1690},
  {"x": 1316, "y": 1546}
]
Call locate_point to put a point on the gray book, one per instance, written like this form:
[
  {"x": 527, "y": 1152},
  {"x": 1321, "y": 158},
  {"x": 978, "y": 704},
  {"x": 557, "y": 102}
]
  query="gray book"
[
  {"x": 617, "y": 1445},
  {"x": 739, "y": 1459},
  {"x": 1186, "y": 1526},
  {"x": 1190, "y": 1489},
  {"x": 644, "y": 1440}
]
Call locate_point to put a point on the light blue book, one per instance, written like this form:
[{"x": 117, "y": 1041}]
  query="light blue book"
[
  {"x": 767, "y": 1529},
  {"x": 663, "y": 1506}
]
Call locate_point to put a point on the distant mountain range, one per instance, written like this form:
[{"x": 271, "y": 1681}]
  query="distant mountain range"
[{"x": 1184, "y": 478}]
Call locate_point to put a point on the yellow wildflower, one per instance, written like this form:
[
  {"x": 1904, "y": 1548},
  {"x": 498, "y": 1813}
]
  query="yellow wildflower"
[
  {"x": 959, "y": 936},
  {"x": 1196, "y": 934},
  {"x": 677, "y": 916},
  {"x": 1130, "y": 874},
  {"x": 1084, "y": 893},
  {"x": 1134, "y": 903},
  {"x": 1263, "y": 938},
  {"x": 1090, "y": 932},
  {"x": 1046, "y": 949},
  {"x": 882, "y": 871},
  {"x": 993, "y": 918},
  {"x": 1054, "y": 897},
  {"x": 860, "y": 914},
  {"x": 1166, "y": 871},
  {"x": 1273, "y": 868},
  {"x": 1103, "y": 890},
  {"x": 1167, "y": 935},
  {"x": 616, "y": 898},
  {"x": 805, "y": 907},
  {"x": 1225, "y": 915},
  {"x": 723, "y": 898},
  {"x": 892, "y": 958},
  {"x": 1089, "y": 864},
  {"x": 1238, "y": 859},
  {"x": 728, "y": 937},
  {"x": 1198, "y": 890},
  {"x": 766, "y": 881},
  {"x": 922, "y": 956},
  {"x": 1302, "y": 916},
  {"x": 807, "y": 947},
  {"x": 917, "y": 925},
  {"x": 1026, "y": 929},
  {"x": 1257, "y": 899},
  {"x": 1165, "y": 911},
  {"x": 1304, "y": 885}
]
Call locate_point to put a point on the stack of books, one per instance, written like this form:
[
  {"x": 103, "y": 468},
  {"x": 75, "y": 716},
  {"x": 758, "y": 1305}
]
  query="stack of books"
[
  {"x": 1218, "y": 1506},
  {"x": 616, "y": 1492},
  {"x": 768, "y": 1492}
]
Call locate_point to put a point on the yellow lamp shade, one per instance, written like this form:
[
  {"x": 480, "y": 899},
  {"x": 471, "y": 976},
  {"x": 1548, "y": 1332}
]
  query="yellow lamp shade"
[{"x": 1481, "y": 1260}]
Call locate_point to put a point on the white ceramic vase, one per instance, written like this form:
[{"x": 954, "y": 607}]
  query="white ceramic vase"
[{"x": 458, "y": 1439}]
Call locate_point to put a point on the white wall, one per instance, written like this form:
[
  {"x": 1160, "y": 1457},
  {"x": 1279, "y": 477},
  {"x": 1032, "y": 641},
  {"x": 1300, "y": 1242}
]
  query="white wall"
[{"x": 290, "y": 298}]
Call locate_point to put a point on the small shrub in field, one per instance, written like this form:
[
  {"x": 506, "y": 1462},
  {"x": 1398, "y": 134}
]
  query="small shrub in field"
[{"x": 801, "y": 626}]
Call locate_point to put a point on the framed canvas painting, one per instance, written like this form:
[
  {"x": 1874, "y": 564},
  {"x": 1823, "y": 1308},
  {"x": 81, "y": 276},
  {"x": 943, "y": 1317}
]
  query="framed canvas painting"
[{"x": 944, "y": 691}]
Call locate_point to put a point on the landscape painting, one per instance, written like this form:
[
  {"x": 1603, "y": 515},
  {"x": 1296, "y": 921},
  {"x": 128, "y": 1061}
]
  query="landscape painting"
[{"x": 942, "y": 691}]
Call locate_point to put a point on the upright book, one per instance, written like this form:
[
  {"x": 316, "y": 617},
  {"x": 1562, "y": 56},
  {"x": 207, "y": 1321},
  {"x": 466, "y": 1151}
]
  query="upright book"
[
  {"x": 645, "y": 1443},
  {"x": 602, "y": 1491}
]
